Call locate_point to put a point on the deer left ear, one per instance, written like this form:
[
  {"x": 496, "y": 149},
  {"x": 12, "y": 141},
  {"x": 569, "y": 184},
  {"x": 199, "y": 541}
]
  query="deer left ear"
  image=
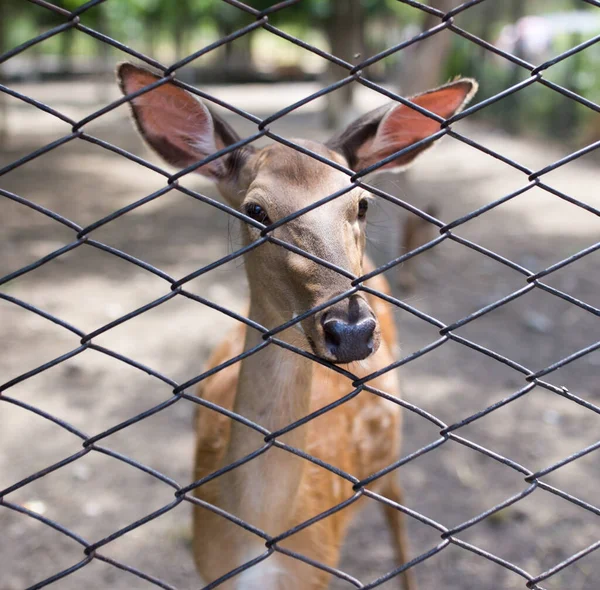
[
  {"x": 180, "y": 128},
  {"x": 390, "y": 128}
]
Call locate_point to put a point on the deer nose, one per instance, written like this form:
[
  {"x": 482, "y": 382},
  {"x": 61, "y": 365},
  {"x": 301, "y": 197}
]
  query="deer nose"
[{"x": 349, "y": 341}]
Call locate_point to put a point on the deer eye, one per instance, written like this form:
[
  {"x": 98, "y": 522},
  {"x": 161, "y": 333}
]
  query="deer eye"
[
  {"x": 257, "y": 213},
  {"x": 363, "y": 206}
]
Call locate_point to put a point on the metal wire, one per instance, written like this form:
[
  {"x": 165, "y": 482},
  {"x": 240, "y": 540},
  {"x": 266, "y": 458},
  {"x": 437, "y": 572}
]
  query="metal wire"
[{"x": 531, "y": 281}]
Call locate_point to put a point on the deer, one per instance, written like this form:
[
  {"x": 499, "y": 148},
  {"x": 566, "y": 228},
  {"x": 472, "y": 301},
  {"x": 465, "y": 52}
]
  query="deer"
[
  {"x": 415, "y": 232},
  {"x": 275, "y": 386}
]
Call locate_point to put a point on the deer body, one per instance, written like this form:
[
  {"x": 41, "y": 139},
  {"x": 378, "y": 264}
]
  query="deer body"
[
  {"x": 359, "y": 437},
  {"x": 274, "y": 387}
]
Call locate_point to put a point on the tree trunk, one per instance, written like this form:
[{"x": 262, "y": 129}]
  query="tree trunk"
[
  {"x": 150, "y": 35},
  {"x": 565, "y": 115},
  {"x": 179, "y": 31},
  {"x": 479, "y": 64},
  {"x": 346, "y": 36},
  {"x": 103, "y": 55},
  {"x": 424, "y": 70},
  {"x": 512, "y": 111},
  {"x": 237, "y": 55},
  {"x": 425, "y": 67},
  {"x": 66, "y": 52}
]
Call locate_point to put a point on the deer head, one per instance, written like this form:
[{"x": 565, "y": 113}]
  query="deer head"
[{"x": 270, "y": 183}]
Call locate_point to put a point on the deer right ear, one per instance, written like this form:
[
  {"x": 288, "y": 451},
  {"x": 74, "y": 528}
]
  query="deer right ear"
[
  {"x": 180, "y": 128},
  {"x": 391, "y": 128}
]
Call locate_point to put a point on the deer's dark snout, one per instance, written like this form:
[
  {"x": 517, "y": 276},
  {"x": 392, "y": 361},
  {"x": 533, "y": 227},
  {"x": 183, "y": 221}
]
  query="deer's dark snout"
[{"x": 350, "y": 330}]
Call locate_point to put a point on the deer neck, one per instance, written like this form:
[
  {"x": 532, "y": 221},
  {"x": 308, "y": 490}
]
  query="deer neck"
[{"x": 273, "y": 390}]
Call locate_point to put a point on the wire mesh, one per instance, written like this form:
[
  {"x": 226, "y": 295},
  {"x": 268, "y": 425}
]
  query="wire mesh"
[{"x": 177, "y": 287}]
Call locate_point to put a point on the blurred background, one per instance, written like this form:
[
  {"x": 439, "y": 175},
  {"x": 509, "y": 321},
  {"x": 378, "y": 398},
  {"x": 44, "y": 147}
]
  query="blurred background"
[
  {"x": 534, "y": 30},
  {"x": 72, "y": 72}
]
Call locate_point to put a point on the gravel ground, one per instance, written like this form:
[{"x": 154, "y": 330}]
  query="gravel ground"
[{"x": 97, "y": 494}]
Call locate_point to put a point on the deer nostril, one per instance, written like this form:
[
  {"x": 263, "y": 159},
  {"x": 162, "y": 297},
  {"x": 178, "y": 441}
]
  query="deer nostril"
[
  {"x": 349, "y": 342},
  {"x": 334, "y": 332}
]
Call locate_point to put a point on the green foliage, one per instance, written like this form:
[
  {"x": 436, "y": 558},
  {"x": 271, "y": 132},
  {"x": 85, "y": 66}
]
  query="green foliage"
[
  {"x": 401, "y": 12},
  {"x": 536, "y": 110},
  {"x": 160, "y": 24}
]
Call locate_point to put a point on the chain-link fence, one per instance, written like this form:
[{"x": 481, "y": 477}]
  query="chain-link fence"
[{"x": 523, "y": 380}]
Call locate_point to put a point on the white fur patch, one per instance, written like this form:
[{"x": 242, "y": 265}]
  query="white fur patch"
[
  {"x": 266, "y": 575},
  {"x": 204, "y": 144},
  {"x": 298, "y": 326}
]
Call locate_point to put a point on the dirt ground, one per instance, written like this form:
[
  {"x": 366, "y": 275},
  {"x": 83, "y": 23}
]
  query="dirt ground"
[{"x": 97, "y": 494}]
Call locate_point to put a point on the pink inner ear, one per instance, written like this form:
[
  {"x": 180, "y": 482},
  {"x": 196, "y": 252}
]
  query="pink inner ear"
[
  {"x": 445, "y": 101},
  {"x": 171, "y": 113},
  {"x": 403, "y": 126}
]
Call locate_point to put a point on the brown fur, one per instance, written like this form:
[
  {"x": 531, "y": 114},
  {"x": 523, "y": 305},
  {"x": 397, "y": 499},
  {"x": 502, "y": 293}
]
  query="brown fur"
[{"x": 360, "y": 437}]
